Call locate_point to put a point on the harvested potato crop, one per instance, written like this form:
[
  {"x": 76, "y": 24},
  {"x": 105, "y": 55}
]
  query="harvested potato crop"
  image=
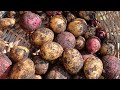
[
  {"x": 66, "y": 40},
  {"x": 93, "y": 68},
  {"x": 37, "y": 77},
  {"x": 51, "y": 51},
  {"x": 58, "y": 24},
  {"x": 77, "y": 27},
  {"x": 5, "y": 22},
  {"x": 42, "y": 35},
  {"x": 80, "y": 43},
  {"x": 72, "y": 60},
  {"x": 41, "y": 65},
  {"x": 18, "y": 52},
  {"x": 111, "y": 65},
  {"x": 57, "y": 72},
  {"x": 23, "y": 69},
  {"x": 5, "y": 66}
]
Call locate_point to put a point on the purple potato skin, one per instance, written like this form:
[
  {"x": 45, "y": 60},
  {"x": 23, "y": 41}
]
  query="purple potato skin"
[
  {"x": 66, "y": 40},
  {"x": 111, "y": 65}
]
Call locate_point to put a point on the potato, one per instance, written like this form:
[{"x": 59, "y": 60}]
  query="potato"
[
  {"x": 37, "y": 77},
  {"x": 18, "y": 52},
  {"x": 58, "y": 24},
  {"x": 24, "y": 69},
  {"x": 111, "y": 65},
  {"x": 107, "y": 49},
  {"x": 42, "y": 35},
  {"x": 77, "y": 27},
  {"x": 93, "y": 68},
  {"x": 57, "y": 72},
  {"x": 30, "y": 21},
  {"x": 66, "y": 40},
  {"x": 51, "y": 51},
  {"x": 86, "y": 55},
  {"x": 5, "y": 22},
  {"x": 93, "y": 45},
  {"x": 5, "y": 66},
  {"x": 41, "y": 66},
  {"x": 80, "y": 43},
  {"x": 72, "y": 60}
]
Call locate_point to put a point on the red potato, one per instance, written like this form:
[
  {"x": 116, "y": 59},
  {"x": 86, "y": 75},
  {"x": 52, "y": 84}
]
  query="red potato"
[
  {"x": 5, "y": 66},
  {"x": 93, "y": 45},
  {"x": 30, "y": 21}
]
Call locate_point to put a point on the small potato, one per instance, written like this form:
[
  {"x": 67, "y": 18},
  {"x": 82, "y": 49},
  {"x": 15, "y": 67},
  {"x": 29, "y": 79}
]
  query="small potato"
[
  {"x": 23, "y": 69},
  {"x": 51, "y": 51},
  {"x": 77, "y": 27},
  {"x": 72, "y": 60},
  {"x": 58, "y": 24},
  {"x": 37, "y": 77},
  {"x": 5, "y": 22},
  {"x": 41, "y": 66},
  {"x": 93, "y": 68},
  {"x": 80, "y": 43},
  {"x": 18, "y": 52},
  {"x": 57, "y": 72},
  {"x": 42, "y": 35}
]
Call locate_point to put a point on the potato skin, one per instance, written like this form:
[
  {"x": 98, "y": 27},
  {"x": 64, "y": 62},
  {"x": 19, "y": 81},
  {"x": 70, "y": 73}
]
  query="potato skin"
[
  {"x": 41, "y": 65},
  {"x": 72, "y": 60},
  {"x": 5, "y": 22},
  {"x": 66, "y": 40},
  {"x": 2, "y": 45},
  {"x": 5, "y": 66},
  {"x": 111, "y": 65},
  {"x": 57, "y": 72},
  {"x": 80, "y": 43},
  {"x": 30, "y": 21},
  {"x": 51, "y": 51},
  {"x": 93, "y": 44},
  {"x": 37, "y": 77},
  {"x": 77, "y": 27},
  {"x": 107, "y": 49},
  {"x": 58, "y": 24},
  {"x": 42, "y": 35},
  {"x": 19, "y": 52},
  {"x": 23, "y": 69},
  {"x": 93, "y": 68}
]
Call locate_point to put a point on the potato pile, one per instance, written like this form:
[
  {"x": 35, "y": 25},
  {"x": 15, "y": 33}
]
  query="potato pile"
[{"x": 64, "y": 45}]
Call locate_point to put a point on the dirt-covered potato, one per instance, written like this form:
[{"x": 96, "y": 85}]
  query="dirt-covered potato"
[
  {"x": 66, "y": 40},
  {"x": 91, "y": 31},
  {"x": 57, "y": 72},
  {"x": 41, "y": 65},
  {"x": 5, "y": 22},
  {"x": 37, "y": 77},
  {"x": 18, "y": 52},
  {"x": 86, "y": 55},
  {"x": 51, "y": 51},
  {"x": 107, "y": 49},
  {"x": 80, "y": 43},
  {"x": 93, "y": 68},
  {"x": 111, "y": 65},
  {"x": 77, "y": 27},
  {"x": 87, "y": 15},
  {"x": 42, "y": 35},
  {"x": 24, "y": 69},
  {"x": 58, "y": 24},
  {"x": 5, "y": 66},
  {"x": 72, "y": 60}
]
